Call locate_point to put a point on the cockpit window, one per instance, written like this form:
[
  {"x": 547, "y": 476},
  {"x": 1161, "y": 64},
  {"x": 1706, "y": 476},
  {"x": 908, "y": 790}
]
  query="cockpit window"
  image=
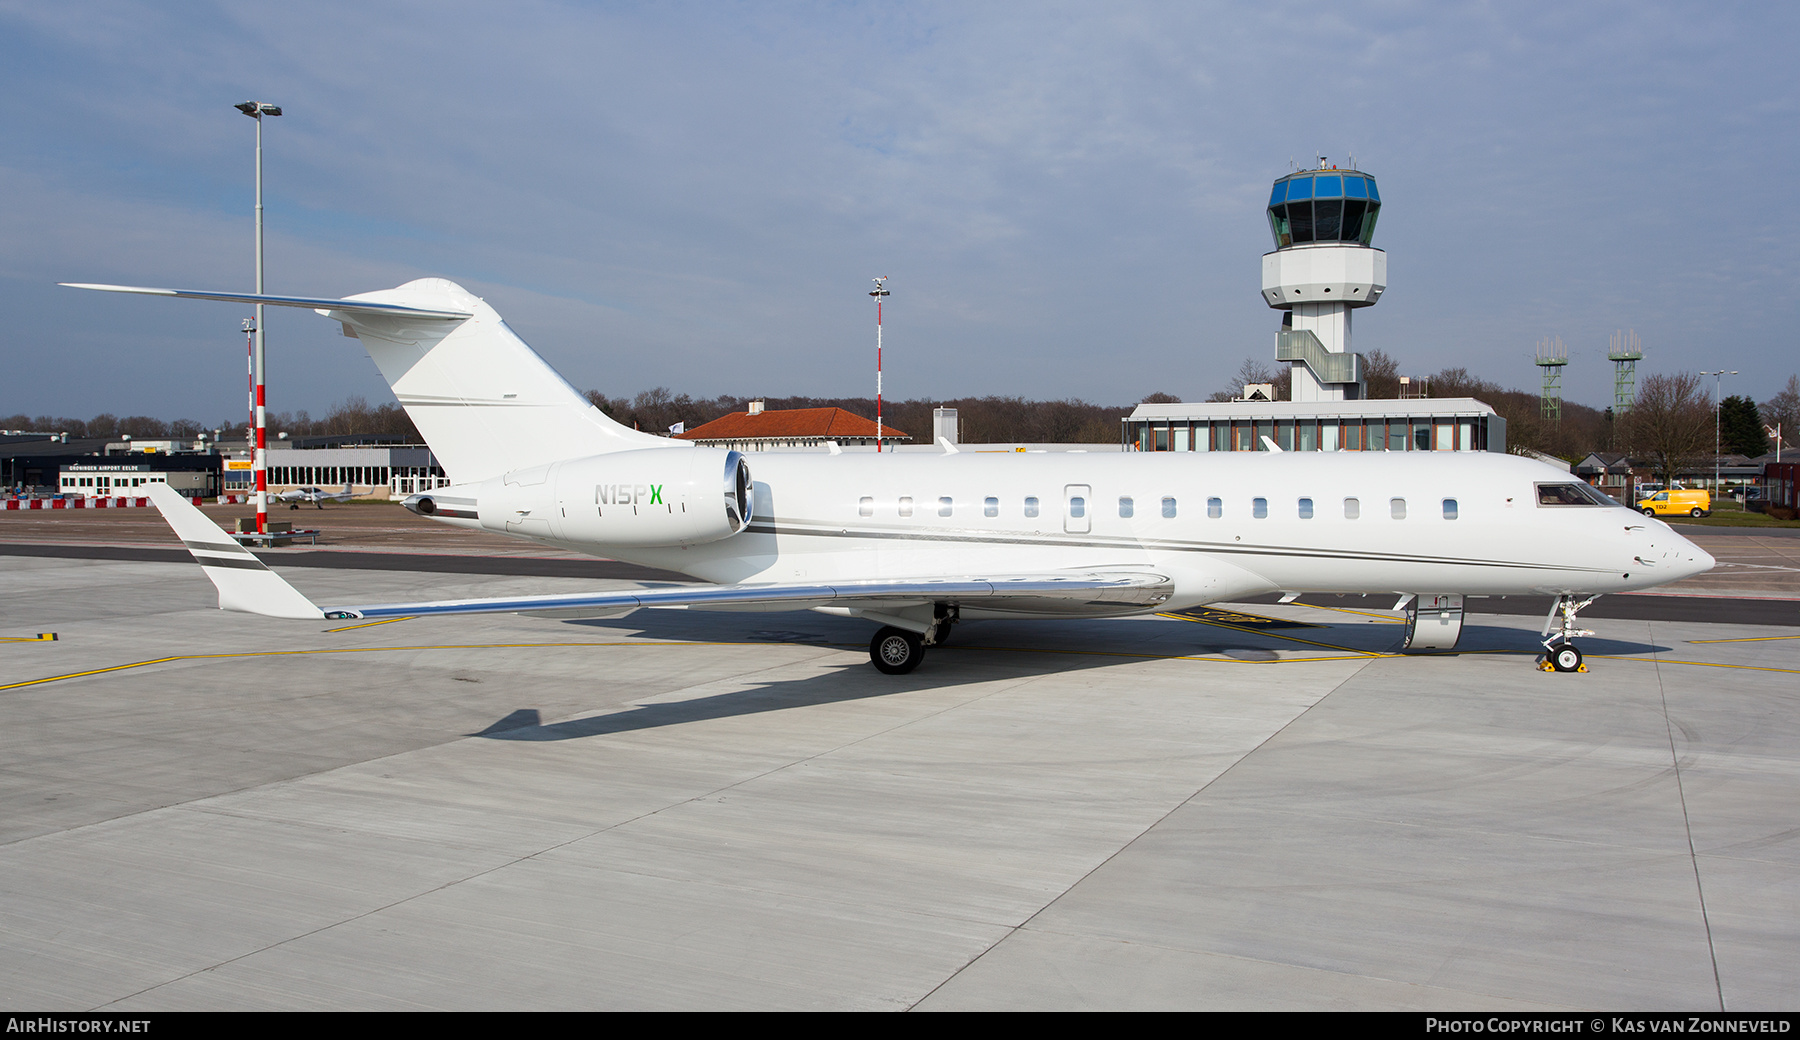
[{"x": 1576, "y": 494}]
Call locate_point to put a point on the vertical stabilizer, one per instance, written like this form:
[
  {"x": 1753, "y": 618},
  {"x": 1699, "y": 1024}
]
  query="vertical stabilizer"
[{"x": 484, "y": 400}]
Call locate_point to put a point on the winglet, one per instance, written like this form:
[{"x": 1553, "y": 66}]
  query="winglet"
[{"x": 243, "y": 581}]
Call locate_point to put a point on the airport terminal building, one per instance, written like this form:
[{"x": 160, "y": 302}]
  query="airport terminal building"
[{"x": 1415, "y": 424}]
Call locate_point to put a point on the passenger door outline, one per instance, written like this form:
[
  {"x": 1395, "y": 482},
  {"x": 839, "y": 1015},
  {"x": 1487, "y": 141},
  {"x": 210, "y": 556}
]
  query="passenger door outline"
[{"x": 1078, "y": 498}]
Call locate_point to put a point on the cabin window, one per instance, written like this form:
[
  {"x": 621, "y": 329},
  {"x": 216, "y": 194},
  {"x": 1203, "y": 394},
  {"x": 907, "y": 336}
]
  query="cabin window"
[
  {"x": 1306, "y": 509},
  {"x": 1352, "y": 509},
  {"x": 906, "y": 506},
  {"x": 1031, "y": 507},
  {"x": 944, "y": 506},
  {"x": 990, "y": 507},
  {"x": 1397, "y": 508},
  {"x": 1259, "y": 508},
  {"x": 1168, "y": 509},
  {"x": 1125, "y": 506},
  {"x": 1214, "y": 508},
  {"x": 1449, "y": 508},
  {"x": 1077, "y": 506},
  {"x": 865, "y": 507}
]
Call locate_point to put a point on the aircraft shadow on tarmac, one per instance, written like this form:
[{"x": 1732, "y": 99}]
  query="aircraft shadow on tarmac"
[
  {"x": 981, "y": 651},
  {"x": 852, "y": 680}
]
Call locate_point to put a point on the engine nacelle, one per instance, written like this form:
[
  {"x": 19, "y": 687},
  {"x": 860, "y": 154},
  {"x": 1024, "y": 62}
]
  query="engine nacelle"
[{"x": 649, "y": 497}]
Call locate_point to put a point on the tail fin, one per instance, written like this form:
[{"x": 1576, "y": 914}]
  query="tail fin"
[
  {"x": 243, "y": 581},
  {"x": 484, "y": 400}
]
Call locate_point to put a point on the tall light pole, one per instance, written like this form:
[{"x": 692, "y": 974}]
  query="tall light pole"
[
  {"x": 878, "y": 292},
  {"x": 1718, "y": 407},
  {"x": 259, "y": 454}
]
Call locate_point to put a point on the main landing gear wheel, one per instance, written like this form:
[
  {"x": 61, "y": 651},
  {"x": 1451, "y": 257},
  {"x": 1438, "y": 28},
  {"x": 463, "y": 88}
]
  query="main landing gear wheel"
[
  {"x": 1566, "y": 658},
  {"x": 896, "y": 651}
]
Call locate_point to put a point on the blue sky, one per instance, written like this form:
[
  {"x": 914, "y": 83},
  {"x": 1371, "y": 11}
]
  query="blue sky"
[{"x": 1068, "y": 198}]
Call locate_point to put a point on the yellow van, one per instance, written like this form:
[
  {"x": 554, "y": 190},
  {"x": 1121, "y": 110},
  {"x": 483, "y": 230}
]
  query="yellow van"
[{"x": 1677, "y": 503}]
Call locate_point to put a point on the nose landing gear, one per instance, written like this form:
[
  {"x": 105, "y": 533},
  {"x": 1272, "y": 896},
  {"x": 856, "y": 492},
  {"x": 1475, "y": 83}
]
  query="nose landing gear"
[{"x": 1560, "y": 652}]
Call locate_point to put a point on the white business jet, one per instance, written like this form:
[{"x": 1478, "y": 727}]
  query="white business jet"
[
  {"x": 294, "y": 497},
  {"x": 915, "y": 543}
]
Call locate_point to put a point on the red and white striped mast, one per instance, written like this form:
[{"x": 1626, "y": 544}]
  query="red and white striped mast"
[
  {"x": 250, "y": 379},
  {"x": 878, "y": 292},
  {"x": 259, "y": 453}
]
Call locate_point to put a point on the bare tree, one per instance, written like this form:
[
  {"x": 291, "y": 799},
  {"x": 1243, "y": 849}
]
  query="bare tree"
[
  {"x": 1251, "y": 371},
  {"x": 1783, "y": 411},
  {"x": 1381, "y": 374},
  {"x": 1672, "y": 423}
]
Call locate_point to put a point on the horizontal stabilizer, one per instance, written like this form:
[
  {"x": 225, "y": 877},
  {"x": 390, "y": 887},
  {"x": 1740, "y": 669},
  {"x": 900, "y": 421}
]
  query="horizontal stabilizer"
[{"x": 308, "y": 302}]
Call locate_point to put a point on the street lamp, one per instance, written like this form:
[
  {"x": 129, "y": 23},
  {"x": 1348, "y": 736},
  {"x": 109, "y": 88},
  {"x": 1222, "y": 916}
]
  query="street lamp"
[
  {"x": 256, "y": 110},
  {"x": 1718, "y": 384}
]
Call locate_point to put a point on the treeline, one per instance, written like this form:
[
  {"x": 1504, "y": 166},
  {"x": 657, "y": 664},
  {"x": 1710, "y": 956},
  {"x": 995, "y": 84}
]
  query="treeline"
[
  {"x": 353, "y": 416},
  {"x": 984, "y": 420},
  {"x": 1666, "y": 403}
]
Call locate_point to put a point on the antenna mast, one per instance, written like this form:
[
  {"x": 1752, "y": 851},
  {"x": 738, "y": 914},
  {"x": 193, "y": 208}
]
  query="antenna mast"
[
  {"x": 878, "y": 292},
  {"x": 1626, "y": 352},
  {"x": 1551, "y": 357}
]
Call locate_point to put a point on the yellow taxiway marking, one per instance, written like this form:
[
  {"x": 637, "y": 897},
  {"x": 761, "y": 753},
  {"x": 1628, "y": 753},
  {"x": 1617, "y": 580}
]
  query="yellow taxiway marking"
[
  {"x": 1349, "y": 654},
  {"x": 1697, "y": 664},
  {"x": 1745, "y": 639},
  {"x": 332, "y": 650},
  {"x": 1385, "y": 618},
  {"x": 1354, "y": 655},
  {"x": 369, "y": 624},
  {"x": 41, "y": 637}
]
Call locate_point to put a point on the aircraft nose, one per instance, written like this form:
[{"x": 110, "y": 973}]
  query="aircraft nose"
[{"x": 1690, "y": 559}]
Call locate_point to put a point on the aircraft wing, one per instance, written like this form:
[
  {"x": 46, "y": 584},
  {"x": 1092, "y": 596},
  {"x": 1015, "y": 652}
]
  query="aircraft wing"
[{"x": 245, "y": 583}]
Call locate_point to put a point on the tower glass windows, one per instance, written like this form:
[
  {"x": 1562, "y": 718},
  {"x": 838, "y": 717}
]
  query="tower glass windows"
[{"x": 1331, "y": 206}]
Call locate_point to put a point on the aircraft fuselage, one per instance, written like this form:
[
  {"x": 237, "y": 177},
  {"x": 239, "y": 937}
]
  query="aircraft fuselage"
[{"x": 1219, "y": 525}]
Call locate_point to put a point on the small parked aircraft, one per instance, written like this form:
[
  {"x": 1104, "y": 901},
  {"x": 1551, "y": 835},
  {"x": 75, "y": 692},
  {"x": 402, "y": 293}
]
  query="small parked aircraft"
[
  {"x": 915, "y": 543},
  {"x": 317, "y": 496}
]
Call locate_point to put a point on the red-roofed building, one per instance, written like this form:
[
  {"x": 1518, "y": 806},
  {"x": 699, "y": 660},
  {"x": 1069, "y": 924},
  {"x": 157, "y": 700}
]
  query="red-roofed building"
[{"x": 760, "y": 430}]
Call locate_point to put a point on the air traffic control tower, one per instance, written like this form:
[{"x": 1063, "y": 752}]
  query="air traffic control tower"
[{"x": 1323, "y": 268}]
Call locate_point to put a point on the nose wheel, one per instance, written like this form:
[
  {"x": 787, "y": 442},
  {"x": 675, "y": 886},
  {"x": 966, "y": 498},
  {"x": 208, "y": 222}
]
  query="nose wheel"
[
  {"x": 1560, "y": 652},
  {"x": 1564, "y": 658}
]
